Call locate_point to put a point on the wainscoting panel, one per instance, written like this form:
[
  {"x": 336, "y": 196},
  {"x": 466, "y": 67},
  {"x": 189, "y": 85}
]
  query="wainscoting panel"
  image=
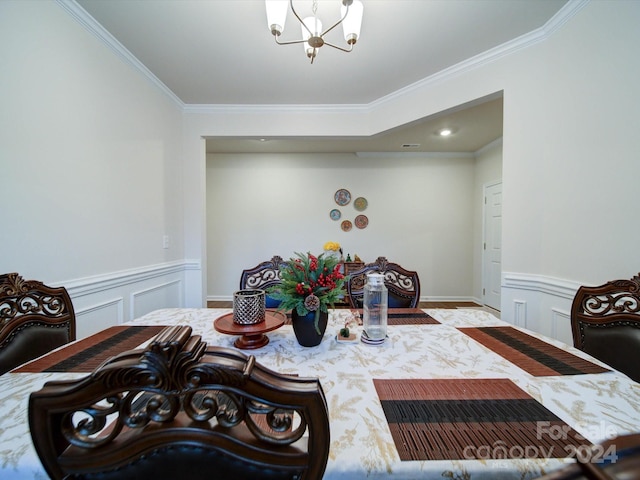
[
  {"x": 147, "y": 300},
  {"x": 539, "y": 303},
  {"x": 94, "y": 318},
  {"x": 520, "y": 313},
  {"x": 117, "y": 297},
  {"x": 561, "y": 325}
]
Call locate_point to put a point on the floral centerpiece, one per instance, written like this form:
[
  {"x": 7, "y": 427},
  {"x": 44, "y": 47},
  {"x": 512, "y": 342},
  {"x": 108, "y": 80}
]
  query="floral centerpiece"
[{"x": 309, "y": 284}]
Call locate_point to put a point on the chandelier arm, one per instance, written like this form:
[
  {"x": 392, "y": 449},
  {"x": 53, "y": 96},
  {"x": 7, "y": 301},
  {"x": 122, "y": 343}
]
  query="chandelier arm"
[
  {"x": 291, "y": 42},
  {"x": 346, "y": 12},
  {"x": 340, "y": 48},
  {"x": 300, "y": 20}
]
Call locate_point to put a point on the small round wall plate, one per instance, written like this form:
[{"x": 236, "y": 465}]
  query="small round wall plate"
[
  {"x": 361, "y": 221},
  {"x": 360, "y": 204},
  {"x": 342, "y": 197},
  {"x": 346, "y": 225},
  {"x": 335, "y": 214}
]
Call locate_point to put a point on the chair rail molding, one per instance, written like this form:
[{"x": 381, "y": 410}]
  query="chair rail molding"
[
  {"x": 540, "y": 283},
  {"x": 98, "y": 283}
]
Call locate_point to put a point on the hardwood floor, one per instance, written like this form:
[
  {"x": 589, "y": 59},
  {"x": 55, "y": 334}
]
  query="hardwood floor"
[{"x": 229, "y": 304}]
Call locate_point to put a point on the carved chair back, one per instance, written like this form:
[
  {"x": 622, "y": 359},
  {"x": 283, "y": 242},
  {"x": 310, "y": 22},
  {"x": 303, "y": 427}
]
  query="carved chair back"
[
  {"x": 403, "y": 285},
  {"x": 34, "y": 319},
  {"x": 181, "y": 410},
  {"x": 605, "y": 322},
  {"x": 263, "y": 276}
]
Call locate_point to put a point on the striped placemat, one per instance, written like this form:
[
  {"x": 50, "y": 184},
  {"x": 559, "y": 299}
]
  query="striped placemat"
[
  {"x": 85, "y": 355},
  {"x": 531, "y": 354},
  {"x": 463, "y": 419},
  {"x": 405, "y": 316}
]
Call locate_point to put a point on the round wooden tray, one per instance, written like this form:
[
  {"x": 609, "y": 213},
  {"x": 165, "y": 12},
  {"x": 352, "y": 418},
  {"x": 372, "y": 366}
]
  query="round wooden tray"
[{"x": 251, "y": 336}]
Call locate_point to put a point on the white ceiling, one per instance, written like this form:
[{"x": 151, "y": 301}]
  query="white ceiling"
[{"x": 219, "y": 52}]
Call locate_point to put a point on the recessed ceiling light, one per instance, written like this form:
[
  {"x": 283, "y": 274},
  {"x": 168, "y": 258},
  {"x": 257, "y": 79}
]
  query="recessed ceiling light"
[{"x": 445, "y": 132}]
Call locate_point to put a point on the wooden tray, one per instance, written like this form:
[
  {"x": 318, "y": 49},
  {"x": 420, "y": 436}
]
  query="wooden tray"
[{"x": 251, "y": 336}]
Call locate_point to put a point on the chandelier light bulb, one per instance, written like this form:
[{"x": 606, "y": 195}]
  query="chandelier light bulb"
[
  {"x": 276, "y": 15},
  {"x": 352, "y": 22}
]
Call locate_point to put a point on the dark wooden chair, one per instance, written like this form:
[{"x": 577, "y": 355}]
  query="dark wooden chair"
[
  {"x": 180, "y": 410},
  {"x": 615, "y": 459},
  {"x": 605, "y": 321},
  {"x": 263, "y": 276},
  {"x": 403, "y": 285},
  {"x": 34, "y": 319}
]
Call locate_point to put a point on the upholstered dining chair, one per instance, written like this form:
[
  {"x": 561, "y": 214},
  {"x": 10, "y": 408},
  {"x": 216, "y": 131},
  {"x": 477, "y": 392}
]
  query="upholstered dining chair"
[
  {"x": 403, "y": 285},
  {"x": 178, "y": 409},
  {"x": 605, "y": 322},
  {"x": 263, "y": 276},
  {"x": 34, "y": 319}
]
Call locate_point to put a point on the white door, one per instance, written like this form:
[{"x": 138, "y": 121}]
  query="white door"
[{"x": 492, "y": 254}]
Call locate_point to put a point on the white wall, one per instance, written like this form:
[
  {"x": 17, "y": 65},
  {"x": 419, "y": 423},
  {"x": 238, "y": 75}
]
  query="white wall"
[
  {"x": 571, "y": 147},
  {"x": 570, "y": 143},
  {"x": 90, "y": 180},
  {"x": 419, "y": 209},
  {"x": 571, "y": 166},
  {"x": 92, "y": 175}
]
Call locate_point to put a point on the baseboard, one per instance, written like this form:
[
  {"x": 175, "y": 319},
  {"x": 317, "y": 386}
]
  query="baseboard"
[{"x": 456, "y": 299}]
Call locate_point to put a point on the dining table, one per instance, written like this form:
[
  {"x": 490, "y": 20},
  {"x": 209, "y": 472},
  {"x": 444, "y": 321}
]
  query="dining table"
[{"x": 450, "y": 393}]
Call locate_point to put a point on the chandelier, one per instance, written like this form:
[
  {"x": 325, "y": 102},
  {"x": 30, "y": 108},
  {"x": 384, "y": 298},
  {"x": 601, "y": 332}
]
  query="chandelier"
[{"x": 312, "y": 33}]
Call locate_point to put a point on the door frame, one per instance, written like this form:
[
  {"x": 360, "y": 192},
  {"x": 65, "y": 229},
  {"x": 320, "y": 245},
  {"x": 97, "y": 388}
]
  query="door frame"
[{"x": 484, "y": 259}]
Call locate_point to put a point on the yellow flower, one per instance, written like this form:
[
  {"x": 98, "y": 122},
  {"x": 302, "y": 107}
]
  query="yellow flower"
[{"x": 335, "y": 246}]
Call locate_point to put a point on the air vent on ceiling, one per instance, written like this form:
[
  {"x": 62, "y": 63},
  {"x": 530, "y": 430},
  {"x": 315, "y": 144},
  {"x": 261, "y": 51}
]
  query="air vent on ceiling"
[{"x": 410, "y": 145}]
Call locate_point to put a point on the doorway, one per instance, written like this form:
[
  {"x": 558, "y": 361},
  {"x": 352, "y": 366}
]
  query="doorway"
[{"x": 492, "y": 251}]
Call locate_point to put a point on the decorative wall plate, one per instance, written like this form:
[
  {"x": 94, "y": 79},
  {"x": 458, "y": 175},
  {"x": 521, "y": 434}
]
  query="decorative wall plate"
[
  {"x": 361, "y": 221},
  {"x": 346, "y": 225},
  {"x": 335, "y": 214},
  {"x": 360, "y": 204},
  {"x": 342, "y": 197}
]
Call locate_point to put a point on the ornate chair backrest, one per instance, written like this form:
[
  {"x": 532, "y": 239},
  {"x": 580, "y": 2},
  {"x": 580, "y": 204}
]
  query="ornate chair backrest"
[
  {"x": 180, "y": 410},
  {"x": 34, "y": 319},
  {"x": 263, "y": 276},
  {"x": 605, "y": 321},
  {"x": 403, "y": 285}
]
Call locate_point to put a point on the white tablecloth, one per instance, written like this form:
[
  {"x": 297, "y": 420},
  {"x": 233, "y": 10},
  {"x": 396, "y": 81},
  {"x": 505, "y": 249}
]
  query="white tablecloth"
[{"x": 596, "y": 405}]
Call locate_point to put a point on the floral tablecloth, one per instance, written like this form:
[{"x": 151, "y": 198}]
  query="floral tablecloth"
[{"x": 597, "y": 406}]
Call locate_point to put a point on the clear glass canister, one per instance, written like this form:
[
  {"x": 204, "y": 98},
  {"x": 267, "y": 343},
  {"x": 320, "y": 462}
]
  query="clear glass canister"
[{"x": 375, "y": 307}]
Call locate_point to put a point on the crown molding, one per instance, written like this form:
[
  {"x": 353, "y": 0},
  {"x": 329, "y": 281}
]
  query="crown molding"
[
  {"x": 80, "y": 15},
  {"x": 272, "y": 108},
  {"x": 570, "y": 9},
  {"x": 524, "y": 41},
  {"x": 497, "y": 142},
  {"x": 447, "y": 155}
]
